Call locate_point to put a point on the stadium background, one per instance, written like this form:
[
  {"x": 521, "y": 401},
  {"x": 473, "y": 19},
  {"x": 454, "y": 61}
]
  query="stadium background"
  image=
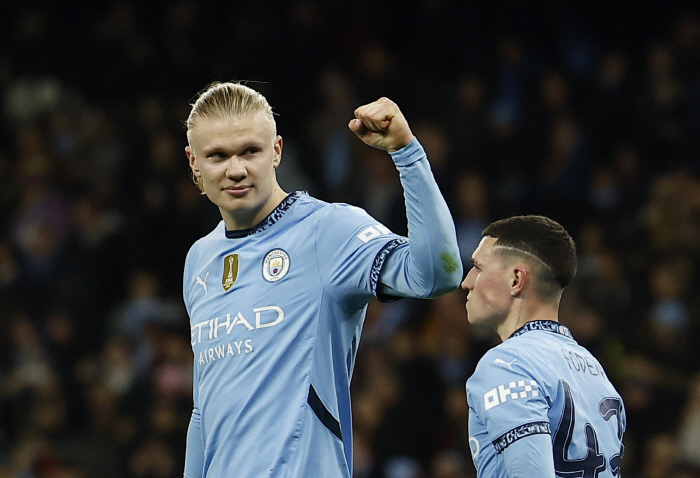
[{"x": 589, "y": 114}]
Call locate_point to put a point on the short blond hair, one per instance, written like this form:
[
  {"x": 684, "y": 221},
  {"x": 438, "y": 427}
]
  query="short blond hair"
[{"x": 228, "y": 100}]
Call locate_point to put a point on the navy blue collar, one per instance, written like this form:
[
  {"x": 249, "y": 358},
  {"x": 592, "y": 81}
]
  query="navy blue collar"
[
  {"x": 271, "y": 218},
  {"x": 546, "y": 325}
]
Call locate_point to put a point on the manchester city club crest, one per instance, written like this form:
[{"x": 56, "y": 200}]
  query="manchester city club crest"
[{"x": 275, "y": 265}]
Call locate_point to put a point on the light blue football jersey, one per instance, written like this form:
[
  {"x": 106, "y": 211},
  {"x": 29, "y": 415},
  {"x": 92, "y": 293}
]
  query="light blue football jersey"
[
  {"x": 275, "y": 323},
  {"x": 541, "y": 382}
]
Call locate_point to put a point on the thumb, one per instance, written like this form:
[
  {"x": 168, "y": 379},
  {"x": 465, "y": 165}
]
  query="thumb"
[{"x": 356, "y": 126}]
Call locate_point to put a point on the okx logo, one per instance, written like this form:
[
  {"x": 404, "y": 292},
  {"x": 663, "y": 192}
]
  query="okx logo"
[{"x": 513, "y": 391}]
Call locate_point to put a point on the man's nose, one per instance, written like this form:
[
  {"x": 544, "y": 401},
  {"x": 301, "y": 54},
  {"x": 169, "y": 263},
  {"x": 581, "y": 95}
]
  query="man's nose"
[
  {"x": 467, "y": 283},
  {"x": 235, "y": 169}
]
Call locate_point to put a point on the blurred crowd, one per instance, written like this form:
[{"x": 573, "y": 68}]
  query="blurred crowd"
[{"x": 588, "y": 115}]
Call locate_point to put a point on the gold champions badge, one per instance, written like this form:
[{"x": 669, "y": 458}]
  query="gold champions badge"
[{"x": 230, "y": 271}]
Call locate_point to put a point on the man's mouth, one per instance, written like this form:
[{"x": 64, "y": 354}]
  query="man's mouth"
[{"x": 238, "y": 190}]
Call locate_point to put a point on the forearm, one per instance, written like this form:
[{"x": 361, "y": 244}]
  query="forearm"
[{"x": 430, "y": 265}]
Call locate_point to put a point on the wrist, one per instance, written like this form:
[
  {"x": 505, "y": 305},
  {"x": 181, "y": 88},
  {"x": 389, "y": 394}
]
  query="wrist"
[
  {"x": 408, "y": 154},
  {"x": 399, "y": 148}
]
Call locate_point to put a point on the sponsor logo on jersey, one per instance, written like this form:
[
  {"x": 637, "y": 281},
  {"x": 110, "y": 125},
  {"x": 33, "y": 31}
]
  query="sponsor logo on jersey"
[
  {"x": 268, "y": 316},
  {"x": 237, "y": 347},
  {"x": 372, "y": 232},
  {"x": 275, "y": 265},
  {"x": 507, "y": 364},
  {"x": 222, "y": 336},
  {"x": 230, "y": 271},
  {"x": 203, "y": 282},
  {"x": 513, "y": 391}
]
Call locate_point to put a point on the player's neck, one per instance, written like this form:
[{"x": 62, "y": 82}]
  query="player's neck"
[{"x": 524, "y": 311}]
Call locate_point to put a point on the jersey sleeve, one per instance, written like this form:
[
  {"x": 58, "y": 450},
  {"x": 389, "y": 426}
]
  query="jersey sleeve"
[
  {"x": 351, "y": 250},
  {"x": 187, "y": 278},
  {"x": 530, "y": 456},
  {"x": 430, "y": 266},
  {"x": 194, "y": 451},
  {"x": 508, "y": 398}
]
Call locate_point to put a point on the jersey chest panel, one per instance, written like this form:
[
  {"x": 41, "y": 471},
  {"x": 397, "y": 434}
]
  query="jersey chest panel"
[{"x": 251, "y": 302}]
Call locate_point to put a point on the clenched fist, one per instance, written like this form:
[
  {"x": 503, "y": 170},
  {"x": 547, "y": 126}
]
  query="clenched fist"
[{"x": 382, "y": 125}]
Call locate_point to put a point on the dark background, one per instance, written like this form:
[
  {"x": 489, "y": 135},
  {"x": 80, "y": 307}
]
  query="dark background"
[{"x": 587, "y": 113}]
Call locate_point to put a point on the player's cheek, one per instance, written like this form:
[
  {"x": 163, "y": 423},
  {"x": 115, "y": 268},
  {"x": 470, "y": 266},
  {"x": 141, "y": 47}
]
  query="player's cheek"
[{"x": 490, "y": 296}]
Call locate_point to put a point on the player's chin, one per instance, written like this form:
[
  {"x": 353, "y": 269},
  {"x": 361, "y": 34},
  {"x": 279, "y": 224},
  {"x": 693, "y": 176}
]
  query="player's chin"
[
  {"x": 229, "y": 203},
  {"x": 473, "y": 317},
  {"x": 470, "y": 317}
]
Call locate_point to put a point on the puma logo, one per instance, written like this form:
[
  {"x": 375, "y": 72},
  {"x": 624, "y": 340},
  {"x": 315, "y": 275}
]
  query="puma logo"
[
  {"x": 203, "y": 283},
  {"x": 508, "y": 364}
]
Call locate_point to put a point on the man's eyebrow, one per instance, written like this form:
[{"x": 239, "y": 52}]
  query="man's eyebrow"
[
  {"x": 212, "y": 149},
  {"x": 219, "y": 147}
]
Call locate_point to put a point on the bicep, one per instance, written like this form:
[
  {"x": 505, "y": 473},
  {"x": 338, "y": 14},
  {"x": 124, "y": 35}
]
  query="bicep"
[
  {"x": 351, "y": 249},
  {"x": 398, "y": 278}
]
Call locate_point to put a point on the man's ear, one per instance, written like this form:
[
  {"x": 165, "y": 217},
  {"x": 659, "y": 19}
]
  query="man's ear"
[
  {"x": 196, "y": 174},
  {"x": 277, "y": 155},
  {"x": 193, "y": 162},
  {"x": 520, "y": 277}
]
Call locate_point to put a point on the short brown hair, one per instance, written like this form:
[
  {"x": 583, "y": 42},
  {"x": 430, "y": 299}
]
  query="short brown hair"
[{"x": 545, "y": 242}]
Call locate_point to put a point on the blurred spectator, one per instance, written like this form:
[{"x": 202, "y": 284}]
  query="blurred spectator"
[
  {"x": 327, "y": 131},
  {"x": 660, "y": 457},
  {"x": 142, "y": 310},
  {"x": 471, "y": 211},
  {"x": 688, "y": 437},
  {"x": 450, "y": 464}
]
